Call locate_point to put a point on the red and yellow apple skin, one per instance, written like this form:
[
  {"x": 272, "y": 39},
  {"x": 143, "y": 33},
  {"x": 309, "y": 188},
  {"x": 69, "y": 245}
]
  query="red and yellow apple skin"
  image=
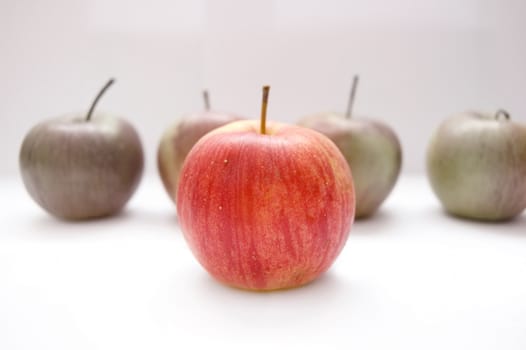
[
  {"x": 179, "y": 139},
  {"x": 265, "y": 211}
]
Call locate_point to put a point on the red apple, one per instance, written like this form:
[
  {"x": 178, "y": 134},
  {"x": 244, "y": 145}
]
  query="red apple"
[
  {"x": 265, "y": 208},
  {"x": 179, "y": 139}
]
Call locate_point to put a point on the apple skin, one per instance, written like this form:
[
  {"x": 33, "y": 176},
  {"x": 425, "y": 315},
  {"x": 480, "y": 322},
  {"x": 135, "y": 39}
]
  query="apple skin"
[
  {"x": 77, "y": 169},
  {"x": 372, "y": 150},
  {"x": 178, "y": 140},
  {"x": 476, "y": 164},
  {"x": 265, "y": 211}
]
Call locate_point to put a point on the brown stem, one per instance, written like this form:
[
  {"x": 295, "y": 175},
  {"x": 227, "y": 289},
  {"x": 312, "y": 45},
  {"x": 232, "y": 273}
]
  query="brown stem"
[
  {"x": 502, "y": 112},
  {"x": 351, "y": 96},
  {"x": 206, "y": 99},
  {"x": 99, "y": 95},
  {"x": 264, "y": 103}
]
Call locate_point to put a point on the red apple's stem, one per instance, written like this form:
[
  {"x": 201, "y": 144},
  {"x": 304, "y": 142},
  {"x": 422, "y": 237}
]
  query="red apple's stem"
[
  {"x": 97, "y": 98},
  {"x": 264, "y": 104},
  {"x": 350, "y": 104},
  {"x": 502, "y": 113},
  {"x": 206, "y": 99}
]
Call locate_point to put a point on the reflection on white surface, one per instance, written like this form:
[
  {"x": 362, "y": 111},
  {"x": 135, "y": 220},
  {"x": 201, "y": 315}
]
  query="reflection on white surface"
[{"x": 409, "y": 278}]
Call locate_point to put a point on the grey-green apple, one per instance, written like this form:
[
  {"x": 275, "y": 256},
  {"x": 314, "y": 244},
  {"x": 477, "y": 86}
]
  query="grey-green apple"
[
  {"x": 371, "y": 148},
  {"x": 180, "y": 137},
  {"x": 82, "y": 166},
  {"x": 476, "y": 164}
]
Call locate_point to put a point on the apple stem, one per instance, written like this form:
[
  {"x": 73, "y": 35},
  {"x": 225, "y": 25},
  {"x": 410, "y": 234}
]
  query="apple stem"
[
  {"x": 502, "y": 112},
  {"x": 264, "y": 103},
  {"x": 206, "y": 99},
  {"x": 350, "y": 104},
  {"x": 97, "y": 98}
]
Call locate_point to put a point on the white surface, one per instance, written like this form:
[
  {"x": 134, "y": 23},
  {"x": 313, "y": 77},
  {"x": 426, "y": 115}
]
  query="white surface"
[
  {"x": 420, "y": 61},
  {"x": 409, "y": 278}
]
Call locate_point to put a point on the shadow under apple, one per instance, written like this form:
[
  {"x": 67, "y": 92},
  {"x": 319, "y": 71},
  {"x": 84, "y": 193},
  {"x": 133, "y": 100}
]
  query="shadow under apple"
[
  {"x": 315, "y": 303},
  {"x": 379, "y": 223},
  {"x": 45, "y": 224},
  {"x": 515, "y": 226}
]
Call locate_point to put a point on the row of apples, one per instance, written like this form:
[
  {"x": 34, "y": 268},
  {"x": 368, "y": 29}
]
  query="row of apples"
[
  {"x": 266, "y": 206},
  {"x": 88, "y": 166}
]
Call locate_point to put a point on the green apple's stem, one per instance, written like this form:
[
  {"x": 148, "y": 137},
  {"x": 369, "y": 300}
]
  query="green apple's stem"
[
  {"x": 264, "y": 103},
  {"x": 350, "y": 104},
  {"x": 206, "y": 99},
  {"x": 502, "y": 113},
  {"x": 97, "y": 98}
]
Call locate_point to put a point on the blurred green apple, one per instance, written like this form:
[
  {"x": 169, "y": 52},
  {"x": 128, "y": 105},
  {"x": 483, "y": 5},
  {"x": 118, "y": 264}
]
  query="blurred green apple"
[
  {"x": 476, "y": 164},
  {"x": 371, "y": 148},
  {"x": 82, "y": 166}
]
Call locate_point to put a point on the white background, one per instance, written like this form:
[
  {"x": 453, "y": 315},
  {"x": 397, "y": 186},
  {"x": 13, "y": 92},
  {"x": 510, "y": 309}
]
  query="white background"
[
  {"x": 409, "y": 278},
  {"x": 420, "y": 61}
]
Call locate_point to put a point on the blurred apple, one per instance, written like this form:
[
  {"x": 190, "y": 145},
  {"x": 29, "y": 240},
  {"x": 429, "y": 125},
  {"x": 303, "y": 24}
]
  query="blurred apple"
[
  {"x": 179, "y": 139},
  {"x": 82, "y": 166},
  {"x": 371, "y": 148},
  {"x": 265, "y": 208},
  {"x": 476, "y": 164}
]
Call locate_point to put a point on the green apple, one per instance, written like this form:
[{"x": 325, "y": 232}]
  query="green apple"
[
  {"x": 82, "y": 166},
  {"x": 371, "y": 148},
  {"x": 476, "y": 164}
]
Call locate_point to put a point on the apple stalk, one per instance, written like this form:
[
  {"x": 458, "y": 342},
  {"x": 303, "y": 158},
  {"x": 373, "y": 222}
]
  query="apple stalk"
[
  {"x": 206, "y": 99},
  {"x": 350, "y": 104},
  {"x": 97, "y": 98},
  {"x": 264, "y": 104},
  {"x": 502, "y": 113}
]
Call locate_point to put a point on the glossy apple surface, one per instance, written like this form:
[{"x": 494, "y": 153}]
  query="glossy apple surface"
[
  {"x": 265, "y": 211},
  {"x": 78, "y": 169},
  {"x": 178, "y": 140},
  {"x": 476, "y": 164},
  {"x": 372, "y": 150}
]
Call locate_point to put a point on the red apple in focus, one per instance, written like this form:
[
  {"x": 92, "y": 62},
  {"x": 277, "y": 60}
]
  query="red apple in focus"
[
  {"x": 265, "y": 208},
  {"x": 179, "y": 139}
]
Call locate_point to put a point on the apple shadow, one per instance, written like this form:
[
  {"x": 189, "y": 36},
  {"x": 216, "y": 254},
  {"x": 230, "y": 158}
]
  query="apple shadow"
[
  {"x": 130, "y": 221},
  {"x": 50, "y": 219},
  {"x": 515, "y": 226},
  {"x": 326, "y": 281},
  {"x": 48, "y": 224},
  {"x": 157, "y": 218},
  {"x": 324, "y": 297},
  {"x": 378, "y": 223},
  {"x": 170, "y": 218}
]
